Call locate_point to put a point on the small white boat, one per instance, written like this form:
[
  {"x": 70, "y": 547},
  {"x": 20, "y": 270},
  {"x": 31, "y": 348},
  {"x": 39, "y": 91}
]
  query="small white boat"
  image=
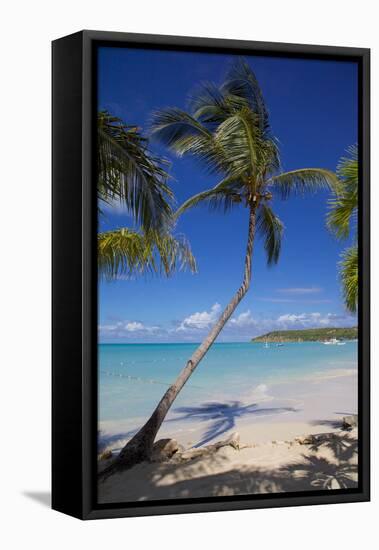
[
  {"x": 266, "y": 344},
  {"x": 333, "y": 342}
]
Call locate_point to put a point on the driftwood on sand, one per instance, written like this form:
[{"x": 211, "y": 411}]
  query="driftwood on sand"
[{"x": 169, "y": 449}]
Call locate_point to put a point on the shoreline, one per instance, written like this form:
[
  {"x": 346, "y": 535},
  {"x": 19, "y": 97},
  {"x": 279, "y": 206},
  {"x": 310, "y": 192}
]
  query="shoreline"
[
  {"x": 280, "y": 411},
  {"x": 291, "y": 439}
]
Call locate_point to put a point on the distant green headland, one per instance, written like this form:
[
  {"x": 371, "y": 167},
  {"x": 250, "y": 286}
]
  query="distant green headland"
[{"x": 308, "y": 335}]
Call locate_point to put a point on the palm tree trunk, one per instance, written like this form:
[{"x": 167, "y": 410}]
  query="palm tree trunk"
[{"x": 139, "y": 448}]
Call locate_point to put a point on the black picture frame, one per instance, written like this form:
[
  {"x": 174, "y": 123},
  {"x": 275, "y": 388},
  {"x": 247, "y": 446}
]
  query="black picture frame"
[{"x": 74, "y": 272}]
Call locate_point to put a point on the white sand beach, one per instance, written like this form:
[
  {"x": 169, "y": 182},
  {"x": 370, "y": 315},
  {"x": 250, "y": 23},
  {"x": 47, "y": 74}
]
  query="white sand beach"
[{"x": 273, "y": 455}]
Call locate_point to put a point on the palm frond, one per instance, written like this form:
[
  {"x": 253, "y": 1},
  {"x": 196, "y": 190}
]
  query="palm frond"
[
  {"x": 126, "y": 253},
  {"x": 348, "y": 167},
  {"x": 225, "y": 195},
  {"x": 240, "y": 138},
  {"x": 270, "y": 228},
  {"x": 172, "y": 124},
  {"x": 349, "y": 277},
  {"x": 228, "y": 127},
  {"x": 344, "y": 205},
  {"x": 269, "y": 157},
  {"x": 343, "y": 210},
  {"x": 185, "y": 135},
  {"x": 306, "y": 180},
  {"x": 208, "y": 104},
  {"x": 242, "y": 83},
  {"x": 129, "y": 173}
]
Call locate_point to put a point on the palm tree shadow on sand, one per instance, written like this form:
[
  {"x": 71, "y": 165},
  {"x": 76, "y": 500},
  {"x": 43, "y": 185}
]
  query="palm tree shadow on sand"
[{"x": 223, "y": 416}]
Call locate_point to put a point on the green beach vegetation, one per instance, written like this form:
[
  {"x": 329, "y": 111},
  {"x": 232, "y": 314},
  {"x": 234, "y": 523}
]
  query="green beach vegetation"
[
  {"x": 227, "y": 128},
  {"x": 308, "y": 335},
  {"x": 342, "y": 221},
  {"x": 128, "y": 174}
]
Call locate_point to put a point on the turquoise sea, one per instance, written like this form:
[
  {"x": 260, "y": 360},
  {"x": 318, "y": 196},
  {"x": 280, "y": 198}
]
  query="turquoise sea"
[{"x": 133, "y": 377}]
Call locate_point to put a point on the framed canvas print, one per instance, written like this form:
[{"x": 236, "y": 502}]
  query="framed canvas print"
[{"x": 210, "y": 275}]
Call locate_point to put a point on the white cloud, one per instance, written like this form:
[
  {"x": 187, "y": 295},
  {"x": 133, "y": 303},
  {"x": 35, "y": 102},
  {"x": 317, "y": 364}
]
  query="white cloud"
[
  {"x": 200, "y": 320},
  {"x": 248, "y": 325},
  {"x": 241, "y": 327},
  {"x": 123, "y": 329},
  {"x": 302, "y": 318},
  {"x": 312, "y": 320},
  {"x": 244, "y": 319},
  {"x": 245, "y": 326},
  {"x": 133, "y": 326}
]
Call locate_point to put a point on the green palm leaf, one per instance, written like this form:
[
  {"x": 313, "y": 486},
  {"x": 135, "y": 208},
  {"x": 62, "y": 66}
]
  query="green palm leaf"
[
  {"x": 172, "y": 123},
  {"x": 225, "y": 195},
  {"x": 343, "y": 211},
  {"x": 306, "y": 180},
  {"x": 128, "y": 253},
  {"x": 239, "y": 137},
  {"x": 128, "y": 173},
  {"x": 271, "y": 229},
  {"x": 344, "y": 206},
  {"x": 208, "y": 104},
  {"x": 183, "y": 134},
  {"x": 241, "y": 83},
  {"x": 349, "y": 277},
  {"x": 347, "y": 169}
]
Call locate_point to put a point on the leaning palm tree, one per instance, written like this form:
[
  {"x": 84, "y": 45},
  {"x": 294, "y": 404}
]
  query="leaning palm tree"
[
  {"x": 129, "y": 174},
  {"x": 228, "y": 129},
  {"x": 342, "y": 220}
]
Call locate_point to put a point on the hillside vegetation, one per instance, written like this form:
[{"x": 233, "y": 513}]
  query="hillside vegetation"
[{"x": 308, "y": 335}]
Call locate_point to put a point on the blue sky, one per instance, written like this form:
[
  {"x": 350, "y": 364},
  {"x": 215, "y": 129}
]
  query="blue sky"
[{"x": 313, "y": 110}]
